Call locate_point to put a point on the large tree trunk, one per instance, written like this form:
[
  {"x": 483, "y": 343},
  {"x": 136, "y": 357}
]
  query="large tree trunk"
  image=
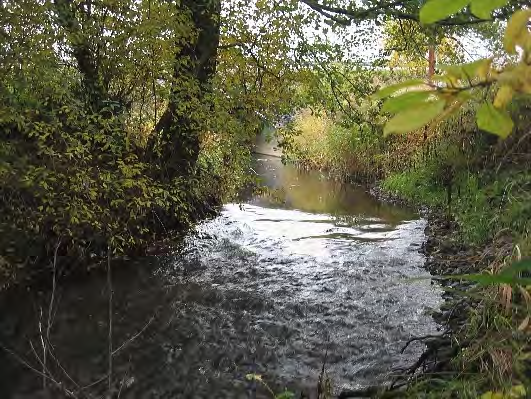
[{"x": 175, "y": 140}]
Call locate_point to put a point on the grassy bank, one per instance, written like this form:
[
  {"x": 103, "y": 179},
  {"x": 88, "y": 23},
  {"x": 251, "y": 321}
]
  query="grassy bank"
[
  {"x": 483, "y": 205},
  {"x": 484, "y": 351}
]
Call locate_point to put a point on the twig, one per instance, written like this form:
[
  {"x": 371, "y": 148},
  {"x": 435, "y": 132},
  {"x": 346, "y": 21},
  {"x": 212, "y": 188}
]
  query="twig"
[
  {"x": 43, "y": 344},
  {"x": 133, "y": 337},
  {"x": 321, "y": 383},
  {"x": 54, "y": 284},
  {"x": 410, "y": 341},
  {"x": 61, "y": 366},
  {"x": 25, "y": 363},
  {"x": 84, "y": 388},
  {"x": 46, "y": 340},
  {"x": 122, "y": 383},
  {"x": 46, "y": 374},
  {"x": 109, "y": 288}
]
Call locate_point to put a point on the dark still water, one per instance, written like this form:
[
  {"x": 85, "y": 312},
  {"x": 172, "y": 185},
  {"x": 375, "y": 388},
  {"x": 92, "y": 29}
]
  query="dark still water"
[{"x": 269, "y": 286}]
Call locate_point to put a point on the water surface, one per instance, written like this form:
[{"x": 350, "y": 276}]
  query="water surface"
[{"x": 312, "y": 269}]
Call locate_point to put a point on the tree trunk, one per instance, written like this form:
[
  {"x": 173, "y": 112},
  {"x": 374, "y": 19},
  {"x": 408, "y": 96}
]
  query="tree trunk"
[
  {"x": 177, "y": 132},
  {"x": 431, "y": 62},
  {"x": 82, "y": 52}
]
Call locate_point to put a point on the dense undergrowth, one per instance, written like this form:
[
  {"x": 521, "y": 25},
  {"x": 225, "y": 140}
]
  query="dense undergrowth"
[{"x": 96, "y": 155}]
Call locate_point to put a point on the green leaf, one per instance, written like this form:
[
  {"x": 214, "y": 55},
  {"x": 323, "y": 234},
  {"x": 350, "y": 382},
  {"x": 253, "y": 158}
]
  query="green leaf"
[
  {"x": 435, "y": 10},
  {"x": 414, "y": 118},
  {"x": 494, "y": 279},
  {"x": 389, "y": 90},
  {"x": 285, "y": 395},
  {"x": 509, "y": 275},
  {"x": 483, "y": 8},
  {"x": 495, "y": 121},
  {"x": 520, "y": 266},
  {"x": 407, "y": 100},
  {"x": 452, "y": 71}
]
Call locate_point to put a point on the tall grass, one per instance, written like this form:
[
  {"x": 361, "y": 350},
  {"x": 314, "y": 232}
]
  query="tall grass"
[{"x": 318, "y": 141}]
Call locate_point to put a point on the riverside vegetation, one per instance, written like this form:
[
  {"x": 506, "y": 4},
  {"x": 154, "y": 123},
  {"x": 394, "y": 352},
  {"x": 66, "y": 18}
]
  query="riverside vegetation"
[
  {"x": 124, "y": 122},
  {"x": 478, "y": 187}
]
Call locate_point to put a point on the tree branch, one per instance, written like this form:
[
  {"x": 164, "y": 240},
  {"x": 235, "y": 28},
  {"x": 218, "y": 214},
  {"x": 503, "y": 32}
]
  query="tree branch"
[{"x": 398, "y": 9}]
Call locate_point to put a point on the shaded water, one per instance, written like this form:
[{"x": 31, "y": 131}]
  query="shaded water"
[{"x": 269, "y": 286}]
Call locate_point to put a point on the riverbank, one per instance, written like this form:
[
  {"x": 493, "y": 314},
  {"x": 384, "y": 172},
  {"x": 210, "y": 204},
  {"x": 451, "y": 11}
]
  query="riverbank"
[
  {"x": 473, "y": 355},
  {"x": 42, "y": 268}
]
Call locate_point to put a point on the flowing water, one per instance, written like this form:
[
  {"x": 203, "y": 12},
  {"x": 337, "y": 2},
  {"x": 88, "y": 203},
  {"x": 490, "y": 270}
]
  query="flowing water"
[{"x": 312, "y": 270}]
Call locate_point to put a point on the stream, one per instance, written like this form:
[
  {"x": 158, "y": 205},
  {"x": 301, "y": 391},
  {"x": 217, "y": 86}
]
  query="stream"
[{"x": 312, "y": 271}]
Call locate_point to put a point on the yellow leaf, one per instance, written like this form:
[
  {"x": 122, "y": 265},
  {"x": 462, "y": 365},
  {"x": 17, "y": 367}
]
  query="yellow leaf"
[
  {"x": 492, "y": 395},
  {"x": 518, "y": 391},
  {"x": 453, "y": 103},
  {"x": 523, "y": 325},
  {"x": 494, "y": 120},
  {"x": 477, "y": 69},
  {"x": 516, "y": 33},
  {"x": 504, "y": 96}
]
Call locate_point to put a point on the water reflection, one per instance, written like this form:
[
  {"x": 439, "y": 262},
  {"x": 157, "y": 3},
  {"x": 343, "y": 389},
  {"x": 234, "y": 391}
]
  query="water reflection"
[{"x": 313, "y": 192}]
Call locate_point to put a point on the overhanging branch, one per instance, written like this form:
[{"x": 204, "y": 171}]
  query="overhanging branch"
[{"x": 402, "y": 9}]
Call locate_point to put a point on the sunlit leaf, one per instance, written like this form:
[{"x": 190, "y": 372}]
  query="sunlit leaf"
[
  {"x": 435, "y": 10},
  {"x": 492, "y": 395},
  {"x": 406, "y": 100},
  {"x": 448, "y": 80},
  {"x": 516, "y": 32},
  {"x": 477, "y": 69},
  {"x": 504, "y": 96},
  {"x": 453, "y": 74},
  {"x": 453, "y": 104},
  {"x": 414, "y": 118},
  {"x": 518, "y": 391},
  {"x": 495, "y": 121},
  {"x": 483, "y": 8},
  {"x": 524, "y": 324},
  {"x": 253, "y": 377},
  {"x": 392, "y": 89}
]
